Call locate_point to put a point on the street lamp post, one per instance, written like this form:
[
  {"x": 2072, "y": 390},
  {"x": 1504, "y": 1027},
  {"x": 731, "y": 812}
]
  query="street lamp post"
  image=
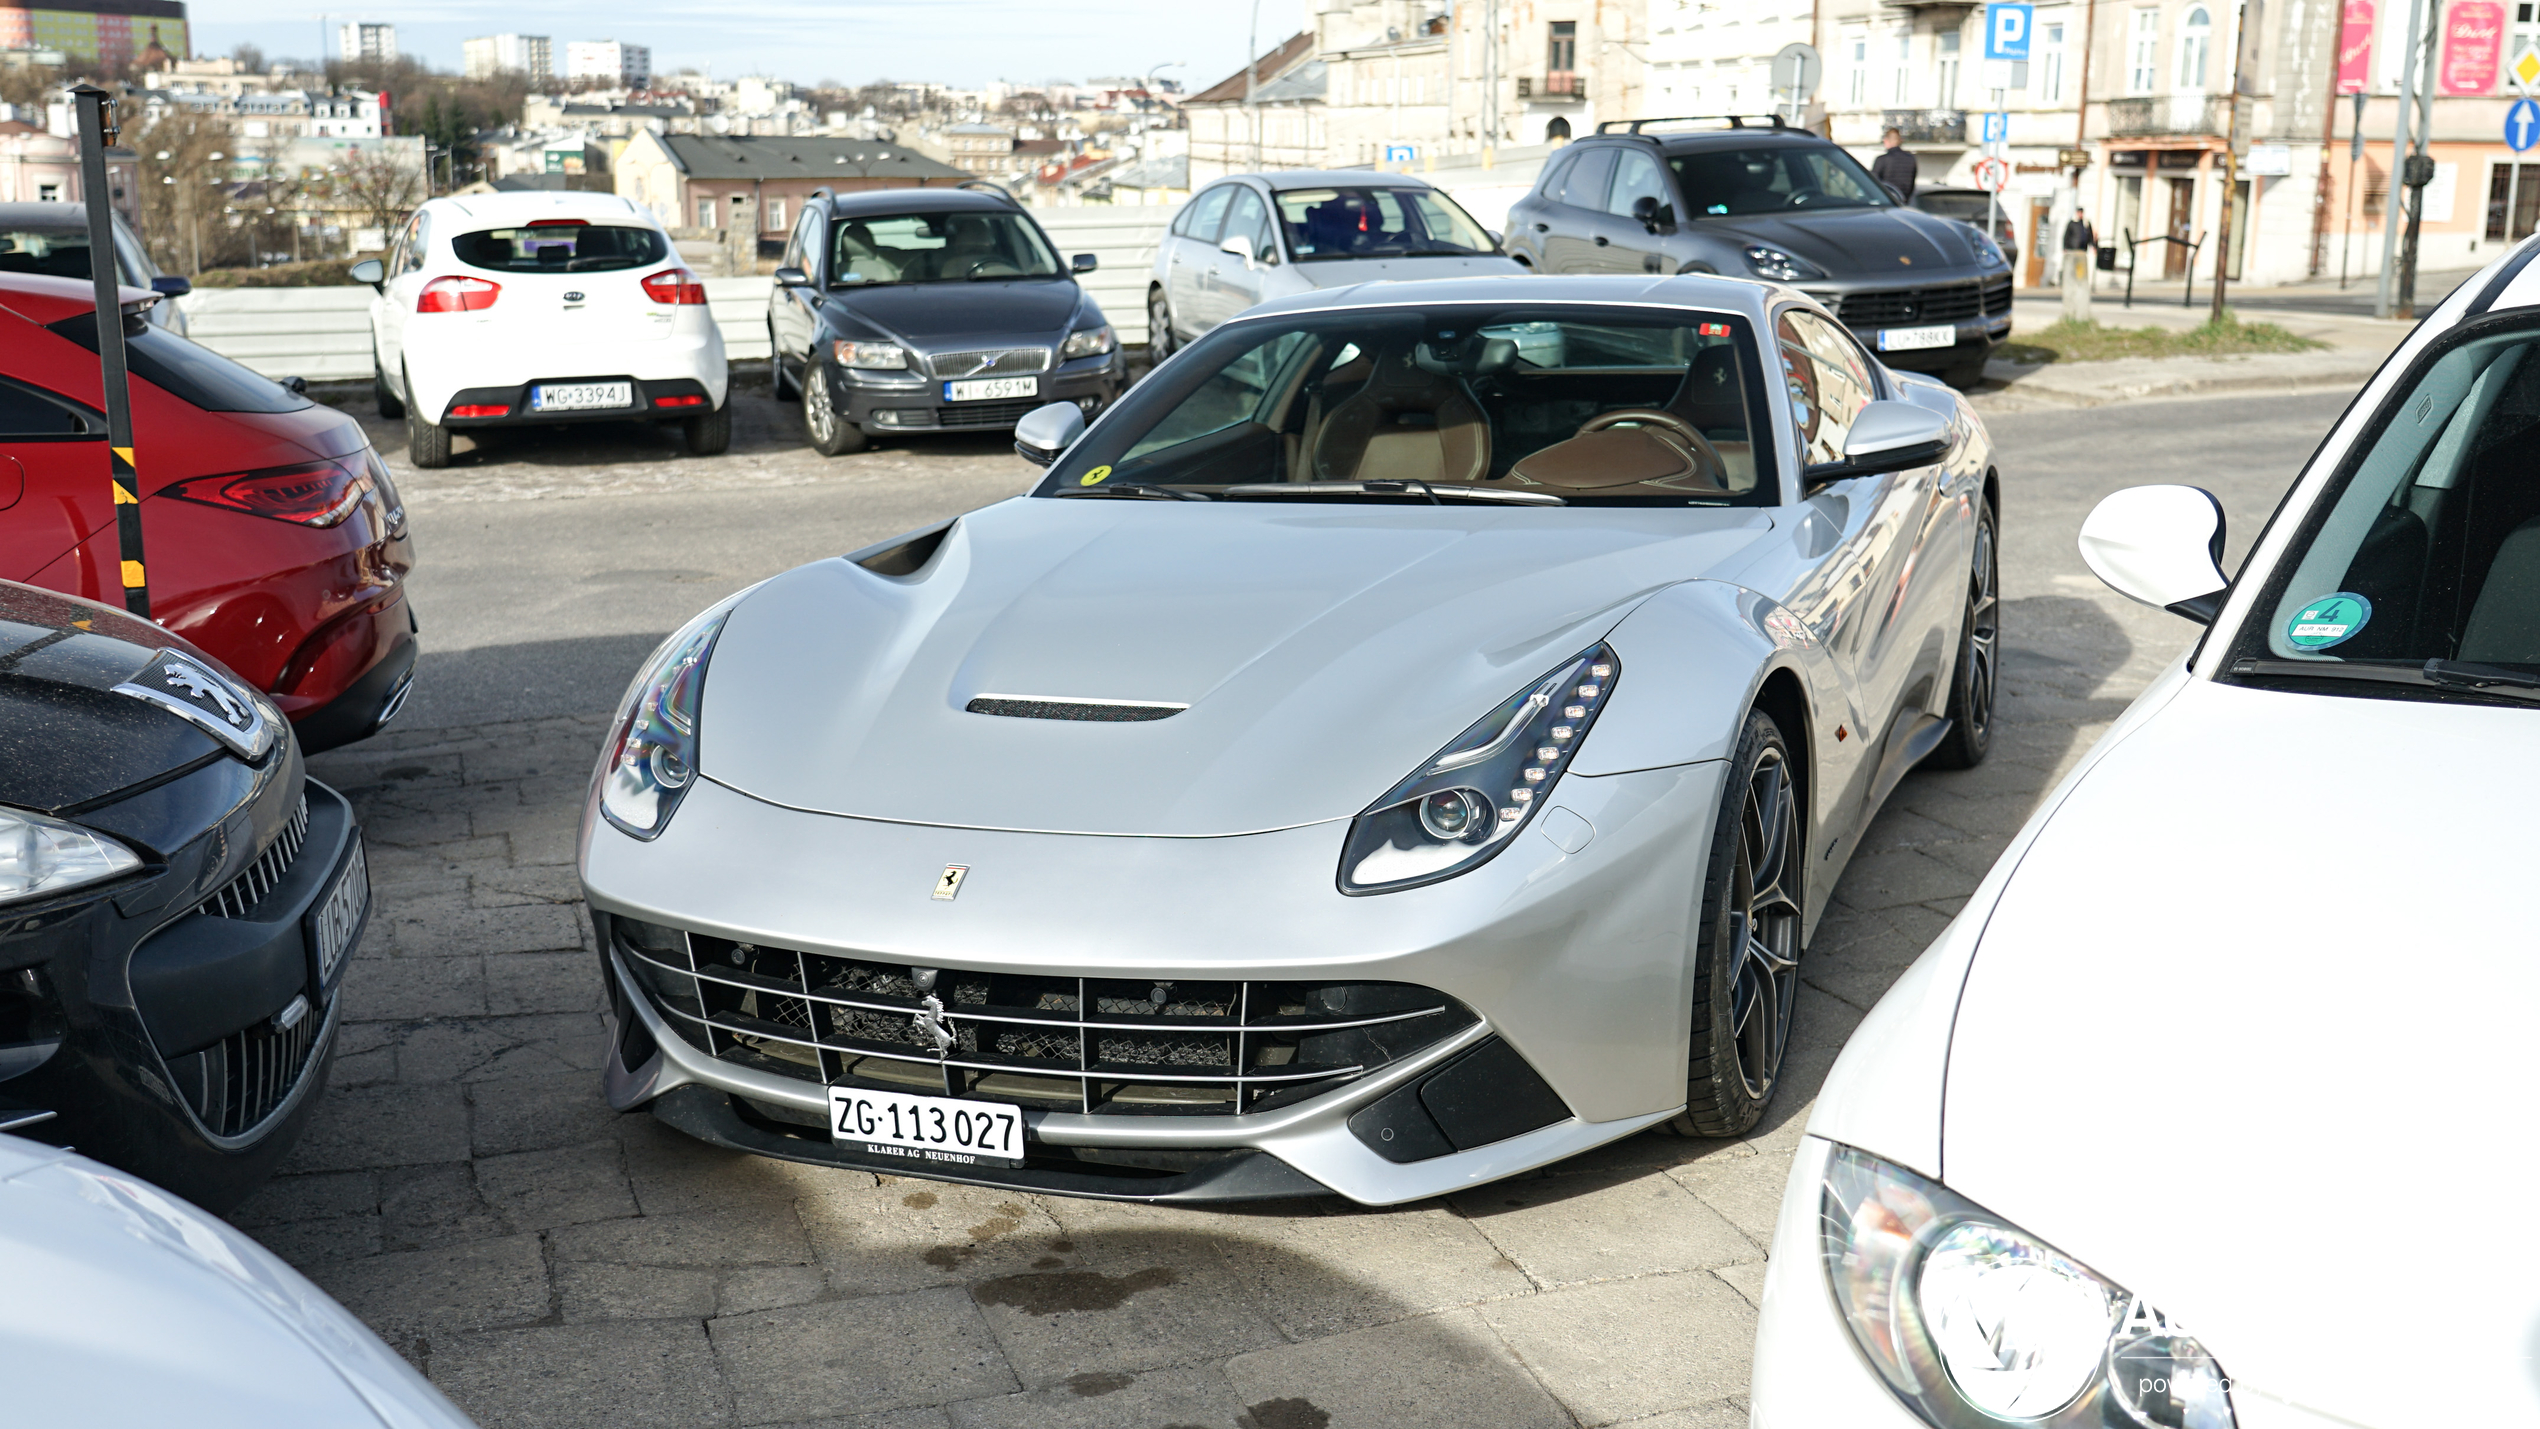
[{"x": 97, "y": 129}]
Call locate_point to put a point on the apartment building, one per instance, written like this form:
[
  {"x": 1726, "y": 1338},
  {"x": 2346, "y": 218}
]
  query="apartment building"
[
  {"x": 609, "y": 62},
  {"x": 488, "y": 55},
  {"x": 363, "y": 42}
]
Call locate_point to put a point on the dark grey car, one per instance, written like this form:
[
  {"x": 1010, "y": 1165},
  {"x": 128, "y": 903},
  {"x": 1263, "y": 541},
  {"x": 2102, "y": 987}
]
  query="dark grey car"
[{"x": 1926, "y": 293}]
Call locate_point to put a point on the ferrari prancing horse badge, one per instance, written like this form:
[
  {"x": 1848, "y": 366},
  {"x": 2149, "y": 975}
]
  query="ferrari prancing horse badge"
[{"x": 950, "y": 884}]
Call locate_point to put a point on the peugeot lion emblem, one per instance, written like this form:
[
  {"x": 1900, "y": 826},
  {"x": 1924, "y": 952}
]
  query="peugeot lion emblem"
[
  {"x": 192, "y": 691},
  {"x": 949, "y": 886}
]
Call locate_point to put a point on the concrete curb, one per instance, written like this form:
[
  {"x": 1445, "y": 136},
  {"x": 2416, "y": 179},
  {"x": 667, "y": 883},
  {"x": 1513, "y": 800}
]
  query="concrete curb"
[{"x": 2097, "y": 384}]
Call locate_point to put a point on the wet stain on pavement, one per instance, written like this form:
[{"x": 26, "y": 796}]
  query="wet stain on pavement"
[
  {"x": 918, "y": 1200},
  {"x": 1285, "y": 1414},
  {"x": 1094, "y": 1386},
  {"x": 1051, "y": 1293},
  {"x": 1049, "y": 1262}
]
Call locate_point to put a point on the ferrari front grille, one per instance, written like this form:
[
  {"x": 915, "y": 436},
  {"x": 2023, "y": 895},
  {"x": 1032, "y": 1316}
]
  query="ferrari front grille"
[{"x": 1118, "y": 1046}]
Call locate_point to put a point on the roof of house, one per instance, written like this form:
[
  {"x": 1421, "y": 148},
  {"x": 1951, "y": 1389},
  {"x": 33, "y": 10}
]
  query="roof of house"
[
  {"x": 715, "y": 156},
  {"x": 1298, "y": 48},
  {"x": 1172, "y": 173}
]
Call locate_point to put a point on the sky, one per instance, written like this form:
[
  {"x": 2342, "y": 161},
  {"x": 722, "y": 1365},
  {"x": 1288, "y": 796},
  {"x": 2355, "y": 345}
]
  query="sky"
[{"x": 961, "y": 43}]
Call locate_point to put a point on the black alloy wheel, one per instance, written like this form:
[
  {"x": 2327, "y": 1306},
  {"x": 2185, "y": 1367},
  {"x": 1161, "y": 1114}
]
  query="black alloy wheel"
[
  {"x": 824, "y": 426},
  {"x": 1160, "y": 343},
  {"x": 1972, "y": 687},
  {"x": 1746, "y": 964}
]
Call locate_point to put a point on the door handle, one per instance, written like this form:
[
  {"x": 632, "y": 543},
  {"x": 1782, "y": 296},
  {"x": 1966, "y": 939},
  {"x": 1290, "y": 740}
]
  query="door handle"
[{"x": 1600, "y": 240}]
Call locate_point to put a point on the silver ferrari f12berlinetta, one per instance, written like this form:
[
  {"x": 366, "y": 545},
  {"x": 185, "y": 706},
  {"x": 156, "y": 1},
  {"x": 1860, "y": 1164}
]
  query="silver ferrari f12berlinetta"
[{"x": 1406, "y": 741}]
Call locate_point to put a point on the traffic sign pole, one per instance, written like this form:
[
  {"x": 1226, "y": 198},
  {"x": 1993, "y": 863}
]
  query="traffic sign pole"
[{"x": 2007, "y": 27}]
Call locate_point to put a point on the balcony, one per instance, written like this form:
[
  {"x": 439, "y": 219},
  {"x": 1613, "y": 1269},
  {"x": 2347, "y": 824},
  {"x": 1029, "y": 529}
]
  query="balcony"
[
  {"x": 2162, "y": 115},
  {"x": 1560, "y": 86},
  {"x": 1927, "y": 126}
]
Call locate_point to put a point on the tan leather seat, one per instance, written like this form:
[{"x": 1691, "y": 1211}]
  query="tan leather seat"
[{"x": 1406, "y": 424}]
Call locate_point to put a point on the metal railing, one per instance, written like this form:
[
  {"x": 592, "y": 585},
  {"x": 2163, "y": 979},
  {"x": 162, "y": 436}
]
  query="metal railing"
[
  {"x": 2156, "y": 115},
  {"x": 1927, "y": 126}
]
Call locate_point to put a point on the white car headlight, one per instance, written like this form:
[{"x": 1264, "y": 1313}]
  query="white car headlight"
[
  {"x": 1467, "y": 801},
  {"x": 1770, "y": 262},
  {"x": 651, "y": 756},
  {"x": 41, "y": 856},
  {"x": 1975, "y": 1324},
  {"x": 872, "y": 356},
  {"x": 1086, "y": 342}
]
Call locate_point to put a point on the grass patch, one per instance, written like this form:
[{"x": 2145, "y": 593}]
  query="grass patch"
[{"x": 2069, "y": 341}]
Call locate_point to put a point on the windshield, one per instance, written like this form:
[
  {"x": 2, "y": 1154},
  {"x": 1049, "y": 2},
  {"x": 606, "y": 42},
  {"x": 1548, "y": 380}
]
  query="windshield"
[
  {"x": 1588, "y": 406},
  {"x": 1324, "y": 224},
  {"x": 1729, "y": 182},
  {"x": 560, "y": 246},
  {"x": 2431, "y": 549},
  {"x": 939, "y": 248}
]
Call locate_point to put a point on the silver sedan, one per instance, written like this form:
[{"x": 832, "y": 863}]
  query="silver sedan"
[{"x": 1406, "y": 741}]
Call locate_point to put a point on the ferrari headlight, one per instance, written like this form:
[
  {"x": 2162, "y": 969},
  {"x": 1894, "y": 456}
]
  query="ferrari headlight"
[
  {"x": 1974, "y": 1323},
  {"x": 41, "y": 856},
  {"x": 872, "y": 356},
  {"x": 1086, "y": 342},
  {"x": 651, "y": 756},
  {"x": 1467, "y": 801},
  {"x": 1770, "y": 262}
]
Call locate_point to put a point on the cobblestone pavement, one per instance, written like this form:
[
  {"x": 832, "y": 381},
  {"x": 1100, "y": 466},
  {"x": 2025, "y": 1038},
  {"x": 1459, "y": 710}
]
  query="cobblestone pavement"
[{"x": 465, "y": 1191}]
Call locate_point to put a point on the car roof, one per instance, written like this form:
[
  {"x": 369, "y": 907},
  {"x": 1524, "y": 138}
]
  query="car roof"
[
  {"x": 1676, "y": 141},
  {"x": 42, "y": 299},
  {"x": 1281, "y": 180},
  {"x": 1678, "y": 293},
  {"x": 500, "y": 208},
  {"x": 918, "y": 200}
]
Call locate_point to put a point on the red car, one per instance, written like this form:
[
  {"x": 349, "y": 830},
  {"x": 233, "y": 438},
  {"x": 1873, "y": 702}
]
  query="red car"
[{"x": 274, "y": 537}]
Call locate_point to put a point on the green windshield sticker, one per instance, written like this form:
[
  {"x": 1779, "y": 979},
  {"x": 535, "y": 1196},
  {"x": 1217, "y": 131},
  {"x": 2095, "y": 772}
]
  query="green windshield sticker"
[{"x": 2329, "y": 620}]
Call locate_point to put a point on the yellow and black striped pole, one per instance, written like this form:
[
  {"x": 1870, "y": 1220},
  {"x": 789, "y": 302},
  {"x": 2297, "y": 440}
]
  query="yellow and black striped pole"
[{"x": 97, "y": 129}]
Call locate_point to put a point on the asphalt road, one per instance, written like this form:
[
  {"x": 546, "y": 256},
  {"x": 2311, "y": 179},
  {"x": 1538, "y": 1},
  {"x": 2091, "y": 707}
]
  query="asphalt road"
[{"x": 464, "y": 1190}]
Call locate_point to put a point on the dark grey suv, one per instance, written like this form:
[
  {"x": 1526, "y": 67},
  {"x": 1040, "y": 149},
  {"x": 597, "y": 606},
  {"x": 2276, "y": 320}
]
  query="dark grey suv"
[{"x": 1763, "y": 201}]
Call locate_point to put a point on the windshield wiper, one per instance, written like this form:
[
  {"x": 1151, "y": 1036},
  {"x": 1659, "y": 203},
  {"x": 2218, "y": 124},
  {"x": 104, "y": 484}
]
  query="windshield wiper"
[
  {"x": 1133, "y": 491},
  {"x": 2432, "y": 674},
  {"x": 1436, "y": 493}
]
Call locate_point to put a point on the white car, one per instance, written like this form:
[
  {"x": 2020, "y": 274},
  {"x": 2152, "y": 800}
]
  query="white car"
[
  {"x": 2144, "y": 1138},
  {"x": 123, "y": 1307},
  {"x": 523, "y": 309}
]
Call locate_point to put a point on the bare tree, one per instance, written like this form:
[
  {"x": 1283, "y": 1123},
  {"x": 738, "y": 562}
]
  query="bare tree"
[
  {"x": 183, "y": 188},
  {"x": 375, "y": 187}
]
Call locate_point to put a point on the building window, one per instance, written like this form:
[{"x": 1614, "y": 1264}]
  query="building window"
[
  {"x": 2526, "y": 31},
  {"x": 1562, "y": 55},
  {"x": 1904, "y": 67},
  {"x": 775, "y": 221},
  {"x": 2195, "y": 39},
  {"x": 1949, "y": 42},
  {"x": 48, "y": 193},
  {"x": 1859, "y": 93},
  {"x": 2143, "y": 49},
  {"x": 705, "y": 213},
  {"x": 2050, "y": 78}
]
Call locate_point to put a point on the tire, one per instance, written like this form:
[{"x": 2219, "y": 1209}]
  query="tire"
[
  {"x": 427, "y": 443},
  {"x": 1746, "y": 948},
  {"x": 389, "y": 406},
  {"x": 785, "y": 390},
  {"x": 1160, "y": 344},
  {"x": 711, "y": 434},
  {"x": 827, "y": 432},
  {"x": 1966, "y": 376},
  {"x": 1972, "y": 686}
]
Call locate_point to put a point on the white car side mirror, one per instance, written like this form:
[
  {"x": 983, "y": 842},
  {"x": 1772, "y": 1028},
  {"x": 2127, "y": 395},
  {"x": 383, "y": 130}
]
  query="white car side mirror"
[
  {"x": 1239, "y": 244},
  {"x": 2161, "y": 545},
  {"x": 1048, "y": 430}
]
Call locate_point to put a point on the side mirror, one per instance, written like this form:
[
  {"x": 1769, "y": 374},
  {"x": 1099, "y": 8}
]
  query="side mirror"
[
  {"x": 2161, "y": 545},
  {"x": 1893, "y": 191},
  {"x": 1239, "y": 244},
  {"x": 368, "y": 271},
  {"x": 296, "y": 386},
  {"x": 1887, "y": 436},
  {"x": 1497, "y": 240},
  {"x": 1082, "y": 263},
  {"x": 1653, "y": 214},
  {"x": 1048, "y": 430},
  {"x": 169, "y": 287},
  {"x": 792, "y": 278}
]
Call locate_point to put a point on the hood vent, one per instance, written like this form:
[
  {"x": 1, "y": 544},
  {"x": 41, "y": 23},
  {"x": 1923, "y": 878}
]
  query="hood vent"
[{"x": 1061, "y": 707}]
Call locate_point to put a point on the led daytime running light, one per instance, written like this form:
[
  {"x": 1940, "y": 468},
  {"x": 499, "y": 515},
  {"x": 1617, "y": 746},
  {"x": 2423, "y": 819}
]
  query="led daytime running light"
[{"x": 650, "y": 761}]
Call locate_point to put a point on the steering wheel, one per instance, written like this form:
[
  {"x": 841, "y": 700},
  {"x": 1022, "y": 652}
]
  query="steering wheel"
[
  {"x": 1681, "y": 432},
  {"x": 1802, "y": 198},
  {"x": 974, "y": 270}
]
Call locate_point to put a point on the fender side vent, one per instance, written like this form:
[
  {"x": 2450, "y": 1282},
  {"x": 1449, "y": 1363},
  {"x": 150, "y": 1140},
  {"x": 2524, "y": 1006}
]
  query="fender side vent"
[
  {"x": 904, "y": 555},
  {"x": 1099, "y": 711}
]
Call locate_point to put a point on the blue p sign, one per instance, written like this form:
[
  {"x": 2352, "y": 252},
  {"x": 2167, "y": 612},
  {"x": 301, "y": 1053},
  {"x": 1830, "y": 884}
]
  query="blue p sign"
[{"x": 2006, "y": 31}]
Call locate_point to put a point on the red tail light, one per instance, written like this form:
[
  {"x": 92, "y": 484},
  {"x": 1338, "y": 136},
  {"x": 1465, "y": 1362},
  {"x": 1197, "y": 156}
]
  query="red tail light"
[
  {"x": 676, "y": 287},
  {"x": 313, "y": 494},
  {"x": 683, "y": 401},
  {"x": 559, "y": 223},
  {"x": 455, "y": 294},
  {"x": 479, "y": 409}
]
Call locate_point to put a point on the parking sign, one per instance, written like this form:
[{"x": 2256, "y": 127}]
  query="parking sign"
[
  {"x": 1997, "y": 128},
  {"x": 1399, "y": 153},
  {"x": 2006, "y": 31}
]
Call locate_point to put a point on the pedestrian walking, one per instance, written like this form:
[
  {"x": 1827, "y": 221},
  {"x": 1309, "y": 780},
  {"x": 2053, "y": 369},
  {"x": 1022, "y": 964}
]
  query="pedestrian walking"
[
  {"x": 1895, "y": 166},
  {"x": 2081, "y": 253},
  {"x": 2079, "y": 236}
]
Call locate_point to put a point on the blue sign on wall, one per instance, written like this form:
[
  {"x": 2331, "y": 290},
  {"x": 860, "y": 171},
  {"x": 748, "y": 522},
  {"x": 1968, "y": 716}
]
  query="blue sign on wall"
[
  {"x": 2522, "y": 125},
  {"x": 1398, "y": 153},
  {"x": 2006, "y": 31}
]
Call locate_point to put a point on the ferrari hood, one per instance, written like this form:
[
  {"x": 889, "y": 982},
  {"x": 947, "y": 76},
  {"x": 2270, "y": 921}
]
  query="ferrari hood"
[
  {"x": 2249, "y": 1032},
  {"x": 1858, "y": 245},
  {"x": 1315, "y": 654}
]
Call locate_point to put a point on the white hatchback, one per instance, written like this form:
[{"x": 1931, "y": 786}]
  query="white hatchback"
[{"x": 499, "y": 310}]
